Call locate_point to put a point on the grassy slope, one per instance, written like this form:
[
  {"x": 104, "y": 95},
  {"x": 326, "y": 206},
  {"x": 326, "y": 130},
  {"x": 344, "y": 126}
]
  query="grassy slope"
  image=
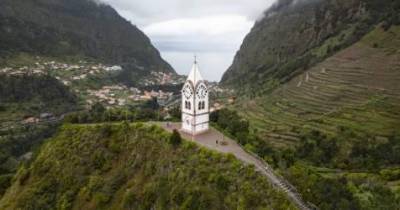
[
  {"x": 356, "y": 88},
  {"x": 352, "y": 97},
  {"x": 22, "y": 96},
  {"x": 292, "y": 36},
  {"x": 133, "y": 167}
]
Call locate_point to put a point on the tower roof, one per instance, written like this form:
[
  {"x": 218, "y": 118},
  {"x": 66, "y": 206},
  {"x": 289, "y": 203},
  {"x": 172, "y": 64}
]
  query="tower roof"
[{"x": 195, "y": 75}]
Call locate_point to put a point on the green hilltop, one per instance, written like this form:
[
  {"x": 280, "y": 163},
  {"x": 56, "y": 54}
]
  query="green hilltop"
[{"x": 134, "y": 166}]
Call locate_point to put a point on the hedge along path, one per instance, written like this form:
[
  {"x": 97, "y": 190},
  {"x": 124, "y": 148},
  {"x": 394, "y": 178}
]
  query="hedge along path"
[{"x": 210, "y": 139}]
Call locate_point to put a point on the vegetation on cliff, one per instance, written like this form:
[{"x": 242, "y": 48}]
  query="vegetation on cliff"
[
  {"x": 122, "y": 166},
  {"x": 295, "y": 35},
  {"x": 342, "y": 171},
  {"x": 24, "y": 96},
  {"x": 78, "y": 28},
  {"x": 33, "y": 94}
]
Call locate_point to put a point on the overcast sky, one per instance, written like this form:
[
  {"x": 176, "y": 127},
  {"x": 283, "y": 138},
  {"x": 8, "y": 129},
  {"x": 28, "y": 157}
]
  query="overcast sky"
[{"x": 211, "y": 29}]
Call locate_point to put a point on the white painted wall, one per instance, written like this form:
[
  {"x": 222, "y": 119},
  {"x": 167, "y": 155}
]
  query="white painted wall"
[{"x": 195, "y": 120}]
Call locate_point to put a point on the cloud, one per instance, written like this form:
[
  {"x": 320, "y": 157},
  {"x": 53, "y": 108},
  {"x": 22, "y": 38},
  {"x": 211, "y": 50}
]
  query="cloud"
[
  {"x": 180, "y": 28},
  {"x": 147, "y": 12},
  {"x": 216, "y": 33},
  {"x": 216, "y": 25}
]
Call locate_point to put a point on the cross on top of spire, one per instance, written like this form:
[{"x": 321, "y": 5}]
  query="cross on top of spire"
[{"x": 195, "y": 75}]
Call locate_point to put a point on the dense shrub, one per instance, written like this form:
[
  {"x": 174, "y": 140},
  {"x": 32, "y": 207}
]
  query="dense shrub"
[
  {"x": 5, "y": 182},
  {"x": 175, "y": 139},
  {"x": 98, "y": 114},
  {"x": 326, "y": 193},
  {"x": 44, "y": 91},
  {"x": 146, "y": 173},
  {"x": 17, "y": 141},
  {"x": 230, "y": 121}
]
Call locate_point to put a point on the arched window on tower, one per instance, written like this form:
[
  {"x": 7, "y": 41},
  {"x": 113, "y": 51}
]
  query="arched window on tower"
[
  {"x": 189, "y": 105},
  {"x": 199, "y": 106}
]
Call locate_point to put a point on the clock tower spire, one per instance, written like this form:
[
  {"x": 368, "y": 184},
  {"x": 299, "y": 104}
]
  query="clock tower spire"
[{"x": 195, "y": 103}]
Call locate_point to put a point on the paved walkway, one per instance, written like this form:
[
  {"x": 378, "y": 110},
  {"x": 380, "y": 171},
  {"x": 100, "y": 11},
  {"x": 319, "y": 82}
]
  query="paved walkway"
[{"x": 209, "y": 140}]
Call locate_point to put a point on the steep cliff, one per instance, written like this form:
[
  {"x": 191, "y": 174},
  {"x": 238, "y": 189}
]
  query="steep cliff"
[
  {"x": 80, "y": 28},
  {"x": 294, "y": 35}
]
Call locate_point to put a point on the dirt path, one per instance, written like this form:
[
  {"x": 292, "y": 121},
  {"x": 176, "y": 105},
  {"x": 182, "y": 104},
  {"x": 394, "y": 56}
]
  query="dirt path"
[{"x": 209, "y": 140}]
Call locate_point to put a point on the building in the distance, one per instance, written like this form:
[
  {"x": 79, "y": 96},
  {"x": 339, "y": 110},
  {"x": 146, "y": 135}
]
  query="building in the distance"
[{"x": 195, "y": 104}]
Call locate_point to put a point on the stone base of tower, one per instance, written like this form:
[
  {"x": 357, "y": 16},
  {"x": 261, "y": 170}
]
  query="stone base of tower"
[{"x": 195, "y": 131}]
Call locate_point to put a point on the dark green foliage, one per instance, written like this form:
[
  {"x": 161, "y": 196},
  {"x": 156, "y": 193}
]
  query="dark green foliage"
[
  {"x": 5, "y": 182},
  {"x": 390, "y": 174},
  {"x": 20, "y": 140},
  {"x": 230, "y": 121},
  {"x": 368, "y": 153},
  {"x": 24, "y": 96},
  {"x": 77, "y": 169},
  {"x": 318, "y": 148},
  {"x": 36, "y": 93},
  {"x": 387, "y": 11},
  {"x": 97, "y": 109},
  {"x": 176, "y": 113},
  {"x": 151, "y": 104},
  {"x": 326, "y": 193},
  {"x": 285, "y": 42},
  {"x": 98, "y": 114},
  {"x": 365, "y": 153},
  {"x": 299, "y": 115},
  {"x": 342, "y": 191},
  {"x": 175, "y": 139},
  {"x": 81, "y": 28},
  {"x": 176, "y": 89},
  {"x": 347, "y": 150}
]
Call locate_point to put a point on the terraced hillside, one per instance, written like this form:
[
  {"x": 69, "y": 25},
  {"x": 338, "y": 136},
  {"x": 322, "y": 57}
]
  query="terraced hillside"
[
  {"x": 358, "y": 88},
  {"x": 294, "y": 35}
]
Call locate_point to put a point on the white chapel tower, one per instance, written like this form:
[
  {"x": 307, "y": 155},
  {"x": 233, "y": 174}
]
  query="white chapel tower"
[{"x": 195, "y": 107}]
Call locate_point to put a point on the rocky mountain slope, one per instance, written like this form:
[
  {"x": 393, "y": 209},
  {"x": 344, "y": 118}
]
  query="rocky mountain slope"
[
  {"x": 77, "y": 28},
  {"x": 351, "y": 73},
  {"x": 125, "y": 166},
  {"x": 319, "y": 83},
  {"x": 294, "y": 35}
]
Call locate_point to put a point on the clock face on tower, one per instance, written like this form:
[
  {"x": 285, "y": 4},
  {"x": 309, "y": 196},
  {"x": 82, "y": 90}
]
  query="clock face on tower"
[
  {"x": 201, "y": 91},
  {"x": 187, "y": 91}
]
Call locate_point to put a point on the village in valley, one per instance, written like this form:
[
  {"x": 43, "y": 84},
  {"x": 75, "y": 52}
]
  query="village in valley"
[
  {"x": 83, "y": 78},
  {"x": 80, "y": 76}
]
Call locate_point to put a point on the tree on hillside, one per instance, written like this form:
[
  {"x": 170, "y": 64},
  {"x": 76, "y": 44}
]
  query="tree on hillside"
[{"x": 175, "y": 139}]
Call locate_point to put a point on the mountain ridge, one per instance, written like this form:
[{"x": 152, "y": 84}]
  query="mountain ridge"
[
  {"x": 295, "y": 35},
  {"x": 319, "y": 84},
  {"x": 77, "y": 28}
]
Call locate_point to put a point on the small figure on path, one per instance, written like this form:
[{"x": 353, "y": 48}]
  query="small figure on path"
[{"x": 216, "y": 142}]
